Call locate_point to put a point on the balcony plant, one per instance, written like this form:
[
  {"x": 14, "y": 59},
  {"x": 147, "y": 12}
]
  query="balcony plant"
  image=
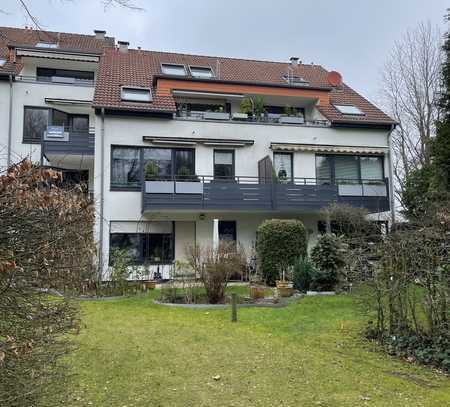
[
  {"x": 151, "y": 171},
  {"x": 291, "y": 116},
  {"x": 246, "y": 106},
  {"x": 259, "y": 107}
]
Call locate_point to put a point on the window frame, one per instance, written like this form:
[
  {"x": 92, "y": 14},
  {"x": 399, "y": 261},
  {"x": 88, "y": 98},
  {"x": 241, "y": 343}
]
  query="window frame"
[
  {"x": 124, "y": 88},
  {"x": 42, "y": 78},
  {"x": 338, "y": 107},
  {"x": 176, "y": 65},
  {"x": 144, "y": 246},
  {"x": 359, "y": 180},
  {"x": 233, "y": 168},
  {"x": 201, "y": 67},
  {"x": 234, "y": 227},
  {"x": 141, "y": 173},
  {"x": 291, "y": 154},
  {"x": 26, "y": 140}
]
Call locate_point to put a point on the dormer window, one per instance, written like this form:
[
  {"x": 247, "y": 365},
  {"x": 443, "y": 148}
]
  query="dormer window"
[
  {"x": 136, "y": 94},
  {"x": 47, "y": 45},
  {"x": 294, "y": 80},
  {"x": 349, "y": 110},
  {"x": 203, "y": 72},
  {"x": 173, "y": 69}
]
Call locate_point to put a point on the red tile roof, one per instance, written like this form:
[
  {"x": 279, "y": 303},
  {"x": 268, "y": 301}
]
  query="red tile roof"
[
  {"x": 139, "y": 68},
  {"x": 10, "y": 36}
]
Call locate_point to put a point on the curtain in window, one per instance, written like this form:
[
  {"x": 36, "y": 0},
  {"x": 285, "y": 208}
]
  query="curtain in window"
[
  {"x": 283, "y": 166},
  {"x": 346, "y": 168},
  {"x": 125, "y": 167},
  {"x": 323, "y": 169},
  {"x": 158, "y": 163},
  {"x": 372, "y": 168}
]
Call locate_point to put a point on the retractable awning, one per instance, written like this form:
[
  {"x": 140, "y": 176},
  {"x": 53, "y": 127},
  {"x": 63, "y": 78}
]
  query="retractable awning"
[
  {"x": 318, "y": 148},
  {"x": 73, "y": 102}
]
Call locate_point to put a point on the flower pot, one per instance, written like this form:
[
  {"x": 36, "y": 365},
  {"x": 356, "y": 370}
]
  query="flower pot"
[
  {"x": 256, "y": 292},
  {"x": 151, "y": 284}
]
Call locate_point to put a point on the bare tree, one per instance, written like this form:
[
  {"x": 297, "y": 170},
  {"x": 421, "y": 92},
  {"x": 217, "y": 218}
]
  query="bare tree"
[{"x": 410, "y": 92}]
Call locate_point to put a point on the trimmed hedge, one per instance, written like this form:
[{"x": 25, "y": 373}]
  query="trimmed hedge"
[{"x": 280, "y": 242}]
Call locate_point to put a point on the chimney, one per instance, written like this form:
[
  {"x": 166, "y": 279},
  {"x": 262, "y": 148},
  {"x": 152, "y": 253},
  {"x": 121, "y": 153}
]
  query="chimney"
[
  {"x": 294, "y": 61},
  {"x": 100, "y": 34},
  {"x": 123, "y": 46}
]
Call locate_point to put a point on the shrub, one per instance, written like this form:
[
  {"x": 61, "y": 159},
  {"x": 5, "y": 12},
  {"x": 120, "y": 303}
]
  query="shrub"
[
  {"x": 329, "y": 257},
  {"x": 279, "y": 244},
  {"x": 215, "y": 267},
  {"x": 303, "y": 274}
]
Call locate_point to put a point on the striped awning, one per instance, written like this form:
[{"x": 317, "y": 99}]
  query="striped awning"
[{"x": 320, "y": 148}]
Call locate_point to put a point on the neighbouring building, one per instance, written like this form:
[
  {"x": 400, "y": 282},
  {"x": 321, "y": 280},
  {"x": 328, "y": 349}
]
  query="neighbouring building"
[{"x": 178, "y": 148}]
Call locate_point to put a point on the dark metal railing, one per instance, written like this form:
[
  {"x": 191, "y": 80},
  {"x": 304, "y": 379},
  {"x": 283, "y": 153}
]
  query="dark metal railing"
[
  {"x": 73, "y": 142},
  {"x": 264, "y": 119},
  {"x": 251, "y": 192},
  {"x": 56, "y": 80}
]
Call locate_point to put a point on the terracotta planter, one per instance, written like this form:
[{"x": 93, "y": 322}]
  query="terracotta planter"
[
  {"x": 151, "y": 284},
  {"x": 256, "y": 292}
]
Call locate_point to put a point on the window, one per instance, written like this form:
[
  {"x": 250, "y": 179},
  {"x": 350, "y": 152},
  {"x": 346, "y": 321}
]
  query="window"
[
  {"x": 144, "y": 247},
  {"x": 35, "y": 124},
  {"x": 80, "y": 123},
  {"x": 348, "y": 169},
  {"x": 63, "y": 75},
  {"x": 47, "y": 45},
  {"x": 349, "y": 109},
  {"x": 282, "y": 163},
  {"x": 2, "y": 61},
  {"x": 131, "y": 94},
  {"x": 294, "y": 80},
  {"x": 224, "y": 164},
  {"x": 227, "y": 230},
  {"x": 201, "y": 72},
  {"x": 158, "y": 163},
  {"x": 125, "y": 167},
  {"x": 169, "y": 163},
  {"x": 60, "y": 118},
  {"x": 173, "y": 69}
]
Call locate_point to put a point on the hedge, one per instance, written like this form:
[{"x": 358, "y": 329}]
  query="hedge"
[{"x": 279, "y": 243}]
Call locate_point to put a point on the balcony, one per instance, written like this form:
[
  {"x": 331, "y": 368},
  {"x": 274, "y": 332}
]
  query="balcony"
[
  {"x": 55, "y": 80},
  {"x": 208, "y": 193},
  {"x": 268, "y": 119},
  {"x": 62, "y": 141}
]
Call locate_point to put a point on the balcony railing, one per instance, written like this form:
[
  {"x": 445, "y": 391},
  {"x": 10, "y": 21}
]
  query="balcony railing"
[
  {"x": 60, "y": 140},
  {"x": 269, "y": 118},
  {"x": 56, "y": 80},
  {"x": 253, "y": 193}
]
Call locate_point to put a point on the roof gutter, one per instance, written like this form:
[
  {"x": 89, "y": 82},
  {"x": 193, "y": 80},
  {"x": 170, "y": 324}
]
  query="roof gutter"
[{"x": 231, "y": 82}]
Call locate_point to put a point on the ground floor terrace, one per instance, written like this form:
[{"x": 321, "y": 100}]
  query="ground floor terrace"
[{"x": 155, "y": 241}]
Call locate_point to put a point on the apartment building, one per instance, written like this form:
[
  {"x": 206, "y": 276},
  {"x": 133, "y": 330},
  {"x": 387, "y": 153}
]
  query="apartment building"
[{"x": 180, "y": 149}]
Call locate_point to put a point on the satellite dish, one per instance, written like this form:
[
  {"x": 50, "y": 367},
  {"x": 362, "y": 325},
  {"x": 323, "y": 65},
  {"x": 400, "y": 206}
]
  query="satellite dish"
[{"x": 334, "y": 78}]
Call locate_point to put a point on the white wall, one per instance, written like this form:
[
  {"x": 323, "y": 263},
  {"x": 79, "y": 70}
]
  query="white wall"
[{"x": 119, "y": 205}]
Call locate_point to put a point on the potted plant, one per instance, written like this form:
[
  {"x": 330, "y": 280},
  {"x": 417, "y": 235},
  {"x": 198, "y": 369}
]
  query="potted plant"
[
  {"x": 153, "y": 183},
  {"x": 217, "y": 114},
  {"x": 246, "y": 108},
  {"x": 183, "y": 174},
  {"x": 150, "y": 171},
  {"x": 284, "y": 286},
  {"x": 259, "y": 107}
]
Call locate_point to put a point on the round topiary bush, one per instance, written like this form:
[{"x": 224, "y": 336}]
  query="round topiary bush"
[{"x": 280, "y": 242}]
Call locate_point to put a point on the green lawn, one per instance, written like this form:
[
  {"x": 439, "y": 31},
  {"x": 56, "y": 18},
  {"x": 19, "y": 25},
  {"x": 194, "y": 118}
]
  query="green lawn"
[{"x": 134, "y": 353}]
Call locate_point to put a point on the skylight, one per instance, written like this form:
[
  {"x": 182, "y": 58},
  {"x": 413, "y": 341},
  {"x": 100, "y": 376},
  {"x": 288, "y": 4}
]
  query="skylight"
[
  {"x": 173, "y": 69},
  {"x": 201, "y": 72},
  {"x": 349, "y": 109},
  {"x": 135, "y": 94},
  {"x": 46, "y": 45},
  {"x": 294, "y": 80}
]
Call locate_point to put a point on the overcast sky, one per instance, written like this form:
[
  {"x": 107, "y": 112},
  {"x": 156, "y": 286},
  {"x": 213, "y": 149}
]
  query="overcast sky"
[{"x": 350, "y": 36}]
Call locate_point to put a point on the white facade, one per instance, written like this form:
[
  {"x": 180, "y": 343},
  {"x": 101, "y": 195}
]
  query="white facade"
[{"x": 121, "y": 211}]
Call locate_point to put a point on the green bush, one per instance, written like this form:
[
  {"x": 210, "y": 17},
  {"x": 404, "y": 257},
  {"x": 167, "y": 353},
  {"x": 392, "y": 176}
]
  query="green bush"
[
  {"x": 279, "y": 244},
  {"x": 329, "y": 257},
  {"x": 304, "y": 272}
]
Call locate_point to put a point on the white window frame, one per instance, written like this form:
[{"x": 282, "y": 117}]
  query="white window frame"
[
  {"x": 204, "y": 68},
  {"x": 349, "y": 110},
  {"x": 148, "y": 91},
  {"x": 163, "y": 64}
]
